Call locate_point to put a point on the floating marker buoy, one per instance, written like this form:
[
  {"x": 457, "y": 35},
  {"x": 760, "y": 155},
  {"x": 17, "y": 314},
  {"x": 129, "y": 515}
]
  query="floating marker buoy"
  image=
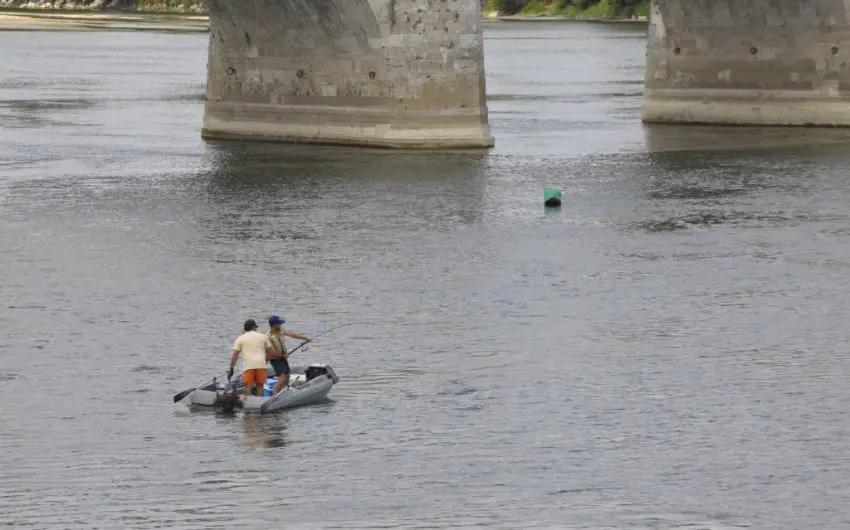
[{"x": 551, "y": 197}]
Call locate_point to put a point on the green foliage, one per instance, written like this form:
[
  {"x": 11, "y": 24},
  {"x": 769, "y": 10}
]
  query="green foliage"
[
  {"x": 535, "y": 7},
  {"x": 572, "y": 8},
  {"x": 642, "y": 9},
  {"x": 507, "y": 7}
]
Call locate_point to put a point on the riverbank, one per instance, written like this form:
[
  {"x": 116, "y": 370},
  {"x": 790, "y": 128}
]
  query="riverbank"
[
  {"x": 37, "y": 17},
  {"x": 154, "y": 6},
  {"x": 90, "y": 20},
  {"x": 576, "y": 10},
  {"x": 492, "y": 15},
  {"x": 78, "y": 20}
]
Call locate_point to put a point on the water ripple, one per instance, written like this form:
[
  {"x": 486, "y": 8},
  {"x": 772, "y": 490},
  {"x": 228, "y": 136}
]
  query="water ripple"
[{"x": 666, "y": 350}]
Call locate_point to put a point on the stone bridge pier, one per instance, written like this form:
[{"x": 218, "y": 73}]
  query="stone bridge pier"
[
  {"x": 749, "y": 62},
  {"x": 393, "y": 73},
  {"x": 410, "y": 73}
]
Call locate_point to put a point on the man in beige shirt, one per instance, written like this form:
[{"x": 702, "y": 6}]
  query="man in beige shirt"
[{"x": 255, "y": 349}]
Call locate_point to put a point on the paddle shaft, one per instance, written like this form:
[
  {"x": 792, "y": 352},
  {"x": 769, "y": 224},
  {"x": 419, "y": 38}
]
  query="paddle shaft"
[{"x": 179, "y": 396}]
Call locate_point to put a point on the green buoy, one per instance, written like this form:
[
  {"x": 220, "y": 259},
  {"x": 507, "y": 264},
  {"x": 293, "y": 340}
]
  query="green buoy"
[{"x": 551, "y": 197}]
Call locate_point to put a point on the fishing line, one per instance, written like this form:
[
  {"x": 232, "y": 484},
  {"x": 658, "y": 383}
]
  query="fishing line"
[{"x": 325, "y": 332}]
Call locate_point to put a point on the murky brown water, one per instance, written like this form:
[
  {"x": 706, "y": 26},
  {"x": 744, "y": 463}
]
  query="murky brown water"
[{"x": 667, "y": 350}]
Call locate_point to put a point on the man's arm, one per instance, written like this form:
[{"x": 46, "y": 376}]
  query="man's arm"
[
  {"x": 298, "y": 336},
  {"x": 233, "y": 361}
]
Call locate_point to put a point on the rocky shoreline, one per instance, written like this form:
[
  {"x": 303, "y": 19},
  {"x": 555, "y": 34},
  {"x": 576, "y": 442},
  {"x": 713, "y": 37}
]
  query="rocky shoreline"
[
  {"x": 175, "y": 14},
  {"x": 199, "y": 7},
  {"x": 150, "y": 6},
  {"x": 89, "y": 20}
]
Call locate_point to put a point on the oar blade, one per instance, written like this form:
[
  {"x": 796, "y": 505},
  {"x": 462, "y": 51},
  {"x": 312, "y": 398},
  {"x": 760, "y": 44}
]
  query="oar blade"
[{"x": 181, "y": 395}]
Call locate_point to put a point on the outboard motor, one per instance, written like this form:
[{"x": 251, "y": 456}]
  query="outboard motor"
[
  {"x": 315, "y": 370},
  {"x": 227, "y": 397}
]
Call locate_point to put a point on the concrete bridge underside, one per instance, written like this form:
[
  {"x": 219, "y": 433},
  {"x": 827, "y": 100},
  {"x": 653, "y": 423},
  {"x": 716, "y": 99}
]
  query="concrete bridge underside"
[{"x": 410, "y": 73}]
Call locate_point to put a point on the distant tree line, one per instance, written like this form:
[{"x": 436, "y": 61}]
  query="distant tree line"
[
  {"x": 569, "y": 8},
  {"x": 603, "y": 7},
  {"x": 121, "y": 5}
]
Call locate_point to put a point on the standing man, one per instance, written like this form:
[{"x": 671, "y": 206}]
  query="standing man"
[
  {"x": 254, "y": 347},
  {"x": 278, "y": 357}
]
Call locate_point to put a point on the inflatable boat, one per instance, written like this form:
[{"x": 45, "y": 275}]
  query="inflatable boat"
[{"x": 308, "y": 384}]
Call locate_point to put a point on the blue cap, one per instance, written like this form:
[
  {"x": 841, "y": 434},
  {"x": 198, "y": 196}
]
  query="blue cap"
[{"x": 274, "y": 320}]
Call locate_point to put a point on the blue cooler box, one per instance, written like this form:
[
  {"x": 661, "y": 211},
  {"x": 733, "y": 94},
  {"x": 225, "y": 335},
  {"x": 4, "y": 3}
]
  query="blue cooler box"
[{"x": 268, "y": 388}]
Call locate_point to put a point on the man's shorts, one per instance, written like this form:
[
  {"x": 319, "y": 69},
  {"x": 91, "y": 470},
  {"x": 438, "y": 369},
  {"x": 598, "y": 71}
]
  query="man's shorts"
[
  {"x": 281, "y": 366},
  {"x": 256, "y": 376}
]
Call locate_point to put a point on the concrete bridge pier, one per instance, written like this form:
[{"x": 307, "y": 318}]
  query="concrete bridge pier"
[
  {"x": 749, "y": 62},
  {"x": 393, "y": 73}
]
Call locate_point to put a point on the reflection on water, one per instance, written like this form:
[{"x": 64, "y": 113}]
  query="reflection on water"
[
  {"x": 264, "y": 430},
  {"x": 686, "y": 189},
  {"x": 24, "y": 113},
  {"x": 256, "y": 166},
  {"x": 250, "y": 182}
]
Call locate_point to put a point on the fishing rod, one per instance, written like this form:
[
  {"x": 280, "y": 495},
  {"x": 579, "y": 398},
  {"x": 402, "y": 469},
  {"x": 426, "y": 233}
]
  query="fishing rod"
[{"x": 325, "y": 332}]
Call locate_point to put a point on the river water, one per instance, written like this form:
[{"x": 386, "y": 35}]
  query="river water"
[{"x": 667, "y": 350}]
